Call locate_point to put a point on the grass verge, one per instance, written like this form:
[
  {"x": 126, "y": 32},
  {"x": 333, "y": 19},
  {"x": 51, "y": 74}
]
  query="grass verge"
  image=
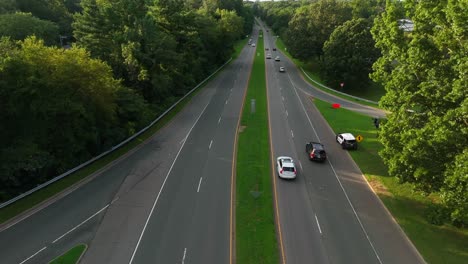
[
  {"x": 255, "y": 224},
  {"x": 437, "y": 244},
  {"x": 70, "y": 257},
  {"x": 36, "y": 198},
  {"x": 370, "y": 93}
]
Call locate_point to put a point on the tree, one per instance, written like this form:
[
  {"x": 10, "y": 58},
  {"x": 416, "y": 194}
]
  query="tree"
[
  {"x": 126, "y": 35},
  {"x": 455, "y": 190},
  {"x": 58, "y": 108},
  {"x": 52, "y": 10},
  {"x": 18, "y": 26},
  {"x": 7, "y": 6},
  {"x": 349, "y": 54},
  {"x": 231, "y": 26},
  {"x": 367, "y": 8},
  {"x": 424, "y": 72},
  {"x": 312, "y": 25}
]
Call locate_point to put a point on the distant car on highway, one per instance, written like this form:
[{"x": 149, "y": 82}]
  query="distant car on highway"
[
  {"x": 267, "y": 48},
  {"x": 268, "y": 56},
  {"x": 347, "y": 141},
  {"x": 277, "y": 58},
  {"x": 286, "y": 168},
  {"x": 282, "y": 69},
  {"x": 253, "y": 44},
  {"x": 274, "y": 49},
  {"x": 316, "y": 151}
]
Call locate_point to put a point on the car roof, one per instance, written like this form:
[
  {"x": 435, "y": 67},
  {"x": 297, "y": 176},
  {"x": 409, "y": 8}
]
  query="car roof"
[
  {"x": 348, "y": 136},
  {"x": 317, "y": 145},
  {"x": 285, "y": 159}
]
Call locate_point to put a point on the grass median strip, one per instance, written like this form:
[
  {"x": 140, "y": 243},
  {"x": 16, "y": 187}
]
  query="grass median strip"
[
  {"x": 437, "y": 244},
  {"x": 255, "y": 224},
  {"x": 55, "y": 188},
  {"x": 70, "y": 257}
]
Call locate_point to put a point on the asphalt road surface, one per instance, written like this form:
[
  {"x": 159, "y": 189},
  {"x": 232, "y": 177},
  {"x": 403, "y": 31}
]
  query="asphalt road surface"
[
  {"x": 328, "y": 214},
  {"x": 168, "y": 201}
]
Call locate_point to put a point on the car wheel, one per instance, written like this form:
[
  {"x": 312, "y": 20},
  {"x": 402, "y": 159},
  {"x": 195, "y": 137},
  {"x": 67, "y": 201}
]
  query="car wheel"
[{"x": 343, "y": 146}]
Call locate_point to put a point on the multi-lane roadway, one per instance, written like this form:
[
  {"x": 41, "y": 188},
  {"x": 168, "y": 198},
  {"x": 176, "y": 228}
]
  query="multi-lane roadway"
[
  {"x": 169, "y": 200},
  {"x": 328, "y": 214}
]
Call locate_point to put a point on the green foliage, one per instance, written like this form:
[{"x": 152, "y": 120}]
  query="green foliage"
[
  {"x": 455, "y": 189},
  {"x": 367, "y": 8},
  {"x": 349, "y": 54},
  {"x": 18, "y": 26},
  {"x": 161, "y": 48},
  {"x": 231, "y": 25},
  {"x": 52, "y": 10},
  {"x": 313, "y": 24},
  {"x": 59, "y": 109},
  {"x": 277, "y": 14},
  {"x": 424, "y": 71},
  {"x": 7, "y": 6}
]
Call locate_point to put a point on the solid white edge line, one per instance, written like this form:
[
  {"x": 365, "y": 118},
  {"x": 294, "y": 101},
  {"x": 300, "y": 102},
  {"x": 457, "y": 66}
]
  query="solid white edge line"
[
  {"x": 199, "y": 184},
  {"x": 318, "y": 224},
  {"x": 74, "y": 228},
  {"x": 339, "y": 181},
  {"x": 211, "y": 142},
  {"x": 183, "y": 258},
  {"x": 32, "y": 256},
  {"x": 162, "y": 187},
  {"x": 303, "y": 107}
]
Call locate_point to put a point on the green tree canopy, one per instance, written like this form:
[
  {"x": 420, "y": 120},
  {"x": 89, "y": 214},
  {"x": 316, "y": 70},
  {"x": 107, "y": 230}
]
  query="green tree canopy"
[
  {"x": 58, "y": 108},
  {"x": 424, "y": 72},
  {"x": 18, "y": 26},
  {"x": 313, "y": 24},
  {"x": 349, "y": 54},
  {"x": 52, "y": 10}
]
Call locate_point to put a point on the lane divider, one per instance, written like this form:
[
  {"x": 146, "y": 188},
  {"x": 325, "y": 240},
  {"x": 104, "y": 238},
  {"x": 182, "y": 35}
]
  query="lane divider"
[{"x": 162, "y": 187}]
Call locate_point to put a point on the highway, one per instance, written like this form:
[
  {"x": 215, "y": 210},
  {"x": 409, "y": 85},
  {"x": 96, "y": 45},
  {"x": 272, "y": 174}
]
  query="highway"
[
  {"x": 328, "y": 214},
  {"x": 167, "y": 201}
]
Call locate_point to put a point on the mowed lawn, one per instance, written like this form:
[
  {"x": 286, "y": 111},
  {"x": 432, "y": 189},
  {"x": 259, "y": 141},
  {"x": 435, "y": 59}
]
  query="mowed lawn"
[
  {"x": 437, "y": 244},
  {"x": 255, "y": 224}
]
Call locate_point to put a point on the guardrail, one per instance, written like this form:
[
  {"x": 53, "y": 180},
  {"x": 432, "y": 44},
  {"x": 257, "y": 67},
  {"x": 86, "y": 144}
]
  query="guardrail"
[
  {"x": 61, "y": 176},
  {"x": 333, "y": 90}
]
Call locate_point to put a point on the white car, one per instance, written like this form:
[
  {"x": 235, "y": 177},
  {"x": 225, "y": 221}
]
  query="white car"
[
  {"x": 282, "y": 69},
  {"x": 277, "y": 58},
  {"x": 268, "y": 56},
  {"x": 347, "y": 141},
  {"x": 253, "y": 44},
  {"x": 285, "y": 167}
]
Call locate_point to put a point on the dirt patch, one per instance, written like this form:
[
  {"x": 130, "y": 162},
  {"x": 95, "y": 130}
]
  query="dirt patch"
[
  {"x": 242, "y": 128},
  {"x": 378, "y": 187}
]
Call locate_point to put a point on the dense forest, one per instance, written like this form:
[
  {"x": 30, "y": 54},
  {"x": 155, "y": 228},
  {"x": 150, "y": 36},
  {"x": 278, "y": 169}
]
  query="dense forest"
[
  {"x": 418, "y": 51},
  {"x": 79, "y": 76}
]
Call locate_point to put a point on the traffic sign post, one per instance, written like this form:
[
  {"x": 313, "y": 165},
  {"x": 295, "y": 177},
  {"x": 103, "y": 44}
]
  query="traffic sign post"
[{"x": 359, "y": 138}]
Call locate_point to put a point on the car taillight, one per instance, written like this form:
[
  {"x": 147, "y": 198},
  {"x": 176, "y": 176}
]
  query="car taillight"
[
  {"x": 281, "y": 171},
  {"x": 312, "y": 155},
  {"x": 294, "y": 170}
]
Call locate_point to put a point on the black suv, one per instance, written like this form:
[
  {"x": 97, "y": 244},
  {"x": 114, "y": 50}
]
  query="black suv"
[{"x": 316, "y": 151}]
